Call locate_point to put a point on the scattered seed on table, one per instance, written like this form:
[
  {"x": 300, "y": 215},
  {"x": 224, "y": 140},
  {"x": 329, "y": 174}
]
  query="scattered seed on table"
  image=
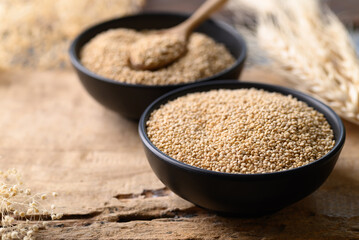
[{"x": 240, "y": 131}]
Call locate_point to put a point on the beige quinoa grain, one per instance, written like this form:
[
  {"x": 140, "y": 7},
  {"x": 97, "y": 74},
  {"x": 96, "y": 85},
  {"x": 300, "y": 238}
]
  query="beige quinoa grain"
[
  {"x": 156, "y": 51},
  {"x": 240, "y": 131},
  {"x": 108, "y": 53}
]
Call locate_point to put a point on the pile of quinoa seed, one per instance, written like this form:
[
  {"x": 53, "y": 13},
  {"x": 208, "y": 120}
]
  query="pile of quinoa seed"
[
  {"x": 108, "y": 53},
  {"x": 157, "y": 50},
  {"x": 240, "y": 131}
]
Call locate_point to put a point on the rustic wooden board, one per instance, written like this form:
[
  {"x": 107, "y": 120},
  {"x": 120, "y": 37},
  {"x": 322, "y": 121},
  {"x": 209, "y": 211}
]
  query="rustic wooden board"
[{"x": 61, "y": 140}]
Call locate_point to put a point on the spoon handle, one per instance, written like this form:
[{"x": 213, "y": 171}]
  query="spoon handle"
[{"x": 200, "y": 15}]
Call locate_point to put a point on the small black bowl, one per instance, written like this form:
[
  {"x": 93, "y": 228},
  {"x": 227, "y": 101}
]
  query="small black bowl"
[
  {"x": 131, "y": 100},
  {"x": 242, "y": 194}
]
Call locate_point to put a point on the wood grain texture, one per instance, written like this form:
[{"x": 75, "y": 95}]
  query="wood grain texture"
[{"x": 62, "y": 140}]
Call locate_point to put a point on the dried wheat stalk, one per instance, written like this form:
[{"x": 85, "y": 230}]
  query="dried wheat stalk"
[
  {"x": 312, "y": 48},
  {"x": 37, "y": 33}
]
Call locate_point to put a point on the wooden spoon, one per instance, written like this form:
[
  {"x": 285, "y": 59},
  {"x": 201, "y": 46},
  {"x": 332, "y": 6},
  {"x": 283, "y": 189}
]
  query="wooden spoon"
[{"x": 166, "y": 46}]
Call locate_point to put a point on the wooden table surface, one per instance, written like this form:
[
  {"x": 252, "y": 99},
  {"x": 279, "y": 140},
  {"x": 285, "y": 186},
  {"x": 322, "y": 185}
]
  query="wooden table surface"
[{"x": 61, "y": 140}]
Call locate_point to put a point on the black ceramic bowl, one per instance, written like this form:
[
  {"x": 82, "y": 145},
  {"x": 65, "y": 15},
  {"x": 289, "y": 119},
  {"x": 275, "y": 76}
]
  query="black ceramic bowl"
[
  {"x": 130, "y": 100},
  {"x": 242, "y": 194}
]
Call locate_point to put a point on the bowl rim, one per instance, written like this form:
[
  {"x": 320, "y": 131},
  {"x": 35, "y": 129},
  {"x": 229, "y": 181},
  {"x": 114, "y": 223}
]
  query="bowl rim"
[
  {"x": 255, "y": 176},
  {"x": 75, "y": 58}
]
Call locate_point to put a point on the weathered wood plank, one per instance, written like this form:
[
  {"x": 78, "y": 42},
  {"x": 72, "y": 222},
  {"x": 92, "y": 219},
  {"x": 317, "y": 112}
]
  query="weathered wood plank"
[{"x": 62, "y": 140}]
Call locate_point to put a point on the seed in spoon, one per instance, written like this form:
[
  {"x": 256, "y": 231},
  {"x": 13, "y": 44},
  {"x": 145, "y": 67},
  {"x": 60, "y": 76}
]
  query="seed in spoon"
[{"x": 157, "y": 50}]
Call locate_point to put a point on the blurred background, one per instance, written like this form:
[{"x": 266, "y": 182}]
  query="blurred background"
[{"x": 37, "y": 33}]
